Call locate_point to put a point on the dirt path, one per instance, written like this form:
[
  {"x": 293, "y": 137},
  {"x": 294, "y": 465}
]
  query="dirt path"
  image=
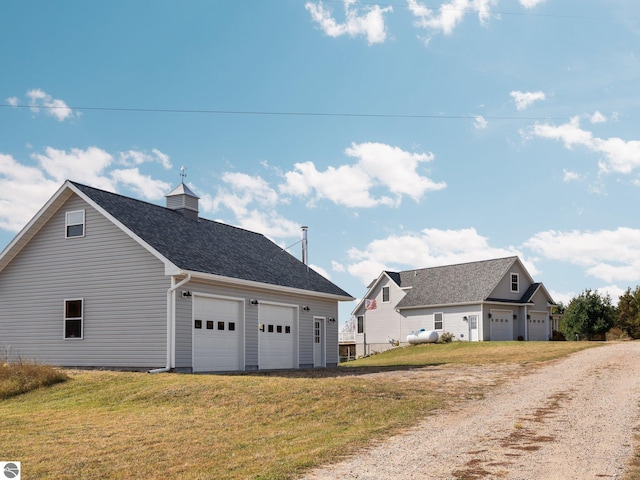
[{"x": 572, "y": 419}]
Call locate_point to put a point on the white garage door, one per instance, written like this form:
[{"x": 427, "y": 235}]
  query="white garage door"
[
  {"x": 501, "y": 325},
  {"x": 218, "y": 340},
  {"x": 277, "y": 336},
  {"x": 538, "y": 327}
]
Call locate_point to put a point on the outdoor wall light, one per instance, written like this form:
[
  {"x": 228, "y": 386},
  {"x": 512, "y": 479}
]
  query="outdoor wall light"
[
  {"x": 331, "y": 319},
  {"x": 186, "y": 294},
  {"x": 253, "y": 301},
  {"x": 489, "y": 315},
  {"x": 465, "y": 318},
  {"x": 515, "y": 316},
  {"x": 305, "y": 308}
]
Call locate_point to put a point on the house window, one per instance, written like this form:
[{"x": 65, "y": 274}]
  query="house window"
[
  {"x": 197, "y": 324},
  {"x": 385, "y": 294},
  {"x": 316, "y": 333},
  {"x": 74, "y": 224},
  {"x": 515, "y": 287},
  {"x": 438, "y": 322},
  {"x": 360, "y": 323},
  {"x": 232, "y": 326},
  {"x": 73, "y": 318}
]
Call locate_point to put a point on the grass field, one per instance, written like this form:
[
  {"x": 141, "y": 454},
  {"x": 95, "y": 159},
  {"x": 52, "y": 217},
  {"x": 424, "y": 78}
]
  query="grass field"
[{"x": 101, "y": 424}]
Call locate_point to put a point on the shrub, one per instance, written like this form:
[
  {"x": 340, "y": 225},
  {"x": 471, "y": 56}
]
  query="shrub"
[{"x": 445, "y": 337}]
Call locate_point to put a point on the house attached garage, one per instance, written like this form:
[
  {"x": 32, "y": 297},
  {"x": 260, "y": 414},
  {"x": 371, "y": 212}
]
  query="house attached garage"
[
  {"x": 538, "y": 327},
  {"x": 501, "y": 325},
  {"x": 277, "y": 336},
  {"x": 218, "y": 334}
]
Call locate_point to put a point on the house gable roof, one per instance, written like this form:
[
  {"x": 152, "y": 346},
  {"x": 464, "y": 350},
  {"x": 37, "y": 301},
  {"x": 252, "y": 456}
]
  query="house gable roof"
[
  {"x": 451, "y": 284},
  {"x": 204, "y": 246}
]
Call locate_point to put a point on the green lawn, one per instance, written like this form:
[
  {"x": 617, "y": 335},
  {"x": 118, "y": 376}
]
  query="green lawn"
[{"x": 101, "y": 425}]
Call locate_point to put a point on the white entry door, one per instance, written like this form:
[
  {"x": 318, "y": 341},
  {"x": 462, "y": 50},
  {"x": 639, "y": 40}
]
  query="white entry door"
[
  {"x": 319, "y": 344},
  {"x": 473, "y": 328}
]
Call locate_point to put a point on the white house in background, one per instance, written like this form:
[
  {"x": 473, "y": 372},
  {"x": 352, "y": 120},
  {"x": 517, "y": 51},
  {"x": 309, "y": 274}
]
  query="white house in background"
[
  {"x": 478, "y": 301},
  {"x": 97, "y": 279}
]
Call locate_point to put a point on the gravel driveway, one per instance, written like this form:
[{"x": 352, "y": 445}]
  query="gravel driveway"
[{"x": 573, "y": 418}]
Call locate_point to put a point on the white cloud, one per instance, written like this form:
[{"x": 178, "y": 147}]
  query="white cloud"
[
  {"x": 25, "y": 188},
  {"x": 597, "y": 117},
  {"x": 252, "y": 201},
  {"x": 530, "y": 3},
  {"x": 570, "y": 176},
  {"x": 53, "y": 107},
  {"x": 135, "y": 157},
  {"x": 428, "y": 248},
  {"x": 377, "y": 166},
  {"x": 480, "y": 123},
  {"x": 620, "y": 156},
  {"x": 610, "y": 255},
  {"x": 370, "y": 24},
  {"x": 143, "y": 185},
  {"x": 524, "y": 100},
  {"x": 321, "y": 271},
  {"x": 450, "y": 14},
  {"x": 13, "y": 101}
]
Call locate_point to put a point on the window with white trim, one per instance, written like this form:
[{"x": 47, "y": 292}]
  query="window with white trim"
[
  {"x": 360, "y": 323},
  {"x": 515, "y": 282},
  {"x": 74, "y": 224},
  {"x": 385, "y": 294},
  {"x": 438, "y": 321},
  {"x": 73, "y": 318}
]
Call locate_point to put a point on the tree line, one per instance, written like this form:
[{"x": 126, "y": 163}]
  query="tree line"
[{"x": 592, "y": 314}]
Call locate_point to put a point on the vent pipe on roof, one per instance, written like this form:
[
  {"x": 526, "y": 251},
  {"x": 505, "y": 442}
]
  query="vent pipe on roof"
[{"x": 304, "y": 245}]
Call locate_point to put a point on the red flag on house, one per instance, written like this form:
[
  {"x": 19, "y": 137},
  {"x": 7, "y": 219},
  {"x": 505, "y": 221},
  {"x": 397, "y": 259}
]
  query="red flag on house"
[{"x": 370, "y": 304}]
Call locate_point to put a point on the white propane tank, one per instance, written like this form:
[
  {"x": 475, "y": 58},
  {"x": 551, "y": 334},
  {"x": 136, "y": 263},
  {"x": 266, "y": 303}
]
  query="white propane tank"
[
  {"x": 427, "y": 336},
  {"x": 422, "y": 336}
]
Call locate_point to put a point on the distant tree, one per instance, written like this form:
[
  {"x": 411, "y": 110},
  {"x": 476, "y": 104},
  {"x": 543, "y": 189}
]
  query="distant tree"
[
  {"x": 587, "y": 314},
  {"x": 628, "y": 318},
  {"x": 350, "y": 325},
  {"x": 559, "y": 308}
]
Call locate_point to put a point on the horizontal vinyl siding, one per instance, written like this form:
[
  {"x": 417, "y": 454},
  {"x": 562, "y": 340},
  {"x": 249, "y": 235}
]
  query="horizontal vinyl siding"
[
  {"x": 318, "y": 308},
  {"x": 123, "y": 287}
]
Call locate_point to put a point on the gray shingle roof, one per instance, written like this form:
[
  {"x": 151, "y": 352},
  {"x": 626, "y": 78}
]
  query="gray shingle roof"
[
  {"x": 450, "y": 284},
  {"x": 211, "y": 247}
]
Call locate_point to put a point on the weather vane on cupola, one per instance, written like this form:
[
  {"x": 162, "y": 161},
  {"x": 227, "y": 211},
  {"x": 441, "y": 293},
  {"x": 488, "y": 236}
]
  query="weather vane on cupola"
[{"x": 183, "y": 173}]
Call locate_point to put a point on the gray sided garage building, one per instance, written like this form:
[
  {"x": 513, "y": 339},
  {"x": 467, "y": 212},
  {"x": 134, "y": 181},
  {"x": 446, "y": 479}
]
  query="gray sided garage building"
[{"x": 110, "y": 281}]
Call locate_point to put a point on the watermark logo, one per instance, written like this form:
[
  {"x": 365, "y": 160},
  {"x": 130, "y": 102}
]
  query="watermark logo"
[{"x": 10, "y": 470}]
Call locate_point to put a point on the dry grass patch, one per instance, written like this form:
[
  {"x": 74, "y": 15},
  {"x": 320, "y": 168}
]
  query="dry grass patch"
[
  {"x": 473, "y": 353},
  {"x": 23, "y": 376}
]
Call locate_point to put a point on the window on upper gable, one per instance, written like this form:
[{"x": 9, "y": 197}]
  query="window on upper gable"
[
  {"x": 360, "y": 323},
  {"x": 385, "y": 294},
  {"x": 74, "y": 224},
  {"x": 515, "y": 282},
  {"x": 73, "y": 318}
]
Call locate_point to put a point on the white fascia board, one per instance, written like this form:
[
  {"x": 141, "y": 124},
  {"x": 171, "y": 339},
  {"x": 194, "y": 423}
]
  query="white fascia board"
[
  {"x": 35, "y": 224},
  {"x": 168, "y": 265},
  {"x": 461, "y": 304},
  {"x": 211, "y": 277}
]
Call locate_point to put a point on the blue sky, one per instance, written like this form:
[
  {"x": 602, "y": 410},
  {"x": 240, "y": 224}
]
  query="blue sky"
[{"x": 406, "y": 134}]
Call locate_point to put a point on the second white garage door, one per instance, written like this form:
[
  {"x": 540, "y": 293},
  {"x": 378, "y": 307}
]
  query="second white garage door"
[
  {"x": 538, "y": 327},
  {"x": 277, "y": 337}
]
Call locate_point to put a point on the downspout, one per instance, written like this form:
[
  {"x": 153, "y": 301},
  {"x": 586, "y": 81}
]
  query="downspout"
[{"x": 171, "y": 320}]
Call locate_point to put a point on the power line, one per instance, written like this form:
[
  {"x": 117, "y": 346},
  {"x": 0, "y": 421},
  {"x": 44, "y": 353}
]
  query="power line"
[{"x": 282, "y": 113}]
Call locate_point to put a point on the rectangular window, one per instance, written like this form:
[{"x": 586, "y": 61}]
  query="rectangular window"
[
  {"x": 209, "y": 324},
  {"x": 438, "y": 323},
  {"x": 270, "y": 328},
  {"x": 232, "y": 326},
  {"x": 385, "y": 294},
  {"x": 73, "y": 311},
  {"x": 316, "y": 333},
  {"x": 287, "y": 329},
  {"x": 197, "y": 324},
  {"x": 515, "y": 287},
  {"x": 74, "y": 224},
  {"x": 360, "y": 323},
  {"x": 279, "y": 329},
  {"x": 220, "y": 325},
  {"x": 473, "y": 322}
]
